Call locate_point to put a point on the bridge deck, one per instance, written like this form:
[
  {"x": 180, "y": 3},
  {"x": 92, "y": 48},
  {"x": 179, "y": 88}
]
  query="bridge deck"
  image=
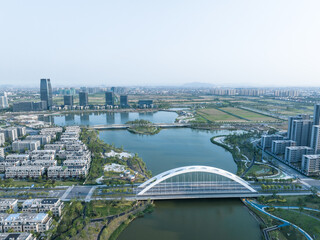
[{"x": 125, "y": 126}]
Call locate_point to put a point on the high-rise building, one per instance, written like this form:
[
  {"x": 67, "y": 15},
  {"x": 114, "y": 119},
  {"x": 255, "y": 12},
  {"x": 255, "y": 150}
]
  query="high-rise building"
[
  {"x": 301, "y": 132},
  {"x": 29, "y": 106},
  {"x": 124, "y": 101},
  {"x": 68, "y": 100},
  {"x": 109, "y": 98},
  {"x": 291, "y": 128},
  {"x": 311, "y": 165},
  {"x": 2, "y": 154},
  {"x": 279, "y": 146},
  {"x": 46, "y": 92},
  {"x": 315, "y": 139},
  {"x": 294, "y": 154},
  {"x": 266, "y": 140},
  {"x": 316, "y": 114},
  {"x": 83, "y": 99},
  {"x": 4, "y": 101}
]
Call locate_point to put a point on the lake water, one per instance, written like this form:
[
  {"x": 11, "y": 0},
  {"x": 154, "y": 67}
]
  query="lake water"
[
  {"x": 185, "y": 219},
  {"x": 173, "y": 148},
  {"x": 102, "y": 118},
  {"x": 224, "y": 219}
]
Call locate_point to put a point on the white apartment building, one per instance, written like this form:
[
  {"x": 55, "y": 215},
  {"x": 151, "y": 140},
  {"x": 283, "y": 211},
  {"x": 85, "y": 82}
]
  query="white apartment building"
[
  {"x": 4, "y": 165},
  {"x": 54, "y": 205},
  {"x": 25, "y": 222},
  {"x": 54, "y": 146},
  {"x": 2, "y": 155},
  {"x": 279, "y": 146},
  {"x": 17, "y": 236},
  {"x": 67, "y": 172},
  {"x": 24, "y": 172},
  {"x": 21, "y": 146},
  {"x": 7, "y": 204},
  {"x": 2, "y": 139},
  {"x": 17, "y": 157},
  {"x": 311, "y": 165},
  {"x": 266, "y": 140},
  {"x": 10, "y": 134},
  {"x": 44, "y": 139},
  {"x": 294, "y": 154}
]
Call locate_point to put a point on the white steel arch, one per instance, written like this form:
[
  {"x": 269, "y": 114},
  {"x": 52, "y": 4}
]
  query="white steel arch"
[{"x": 189, "y": 169}]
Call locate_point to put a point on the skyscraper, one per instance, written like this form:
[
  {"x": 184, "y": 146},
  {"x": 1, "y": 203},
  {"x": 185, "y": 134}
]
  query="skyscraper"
[
  {"x": 291, "y": 126},
  {"x": 124, "y": 101},
  {"x": 83, "y": 99},
  {"x": 68, "y": 100},
  {"x": 4, "y": 101},
  {"x": 316, "y": 114},
  {"x": 315, "y": 139},
  {"x": 109, "y": 98},
  {"x": 301, "y": 133},
  {"x": 46, "y": 92}
]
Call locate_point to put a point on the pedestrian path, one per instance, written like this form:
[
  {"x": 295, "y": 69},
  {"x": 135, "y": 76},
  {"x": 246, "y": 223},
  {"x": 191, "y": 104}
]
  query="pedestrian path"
[{"x": 261, "y": 208}]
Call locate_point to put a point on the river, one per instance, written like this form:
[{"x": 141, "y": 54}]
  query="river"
[{"x": 223, "y": 219}]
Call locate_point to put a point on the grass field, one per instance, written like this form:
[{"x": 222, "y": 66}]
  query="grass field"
[
  {"x": 252, "y": 116},
  {"x": 310, "y": 225},
  {"x": 213, "y": 114},
  {"x": 260, "y": 170}
]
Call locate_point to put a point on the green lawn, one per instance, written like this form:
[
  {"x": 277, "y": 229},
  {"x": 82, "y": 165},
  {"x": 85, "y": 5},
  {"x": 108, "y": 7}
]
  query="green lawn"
[
  {"x": 106, "y": 208},
  {"x": 213, "y": 114},
  {"x": 261, "y": 170},
  {"x": 310, "y": 225},
  {"x": 25, "y": 183},
  {"x": 252, "y": 116}
]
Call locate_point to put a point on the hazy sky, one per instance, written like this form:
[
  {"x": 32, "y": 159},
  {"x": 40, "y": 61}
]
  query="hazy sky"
[{"x": 160, "y": 42}]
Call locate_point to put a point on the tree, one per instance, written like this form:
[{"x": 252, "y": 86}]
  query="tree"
[
  {"x": 301, "y": 203},
  {"x": 50, "y": 213},
  {"x": 73, "y": 232},
  {"x": 9, "y": 211},
  {"x": 314, "y": 191}
]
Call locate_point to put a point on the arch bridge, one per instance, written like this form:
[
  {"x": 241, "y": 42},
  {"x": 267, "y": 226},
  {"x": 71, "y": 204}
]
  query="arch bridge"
[{"x": 195, "y": 182}]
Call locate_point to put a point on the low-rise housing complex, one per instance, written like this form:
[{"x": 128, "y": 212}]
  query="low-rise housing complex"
[
  {"x": 16, "y": 236},
  {"x": 21, "y": 146},
  {"x": 8, "y": 204},
  {"x": 25, "y": 222},
  {"x": 43, "y": 139},
  {"x": 54, "y": 205},
  {"x": 73, "y": 155}
]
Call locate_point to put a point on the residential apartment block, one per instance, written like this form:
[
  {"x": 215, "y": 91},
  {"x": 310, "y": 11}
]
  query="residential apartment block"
[
  {"x": 294, "y": 154},
  {"x": 54, "y": 205},
  {"x": 311, "y": 165},
  {"x": 7, "y": 204}
]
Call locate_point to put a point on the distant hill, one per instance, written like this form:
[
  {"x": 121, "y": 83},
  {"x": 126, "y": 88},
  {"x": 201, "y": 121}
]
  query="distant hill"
[{"x": 198, "y": 85}]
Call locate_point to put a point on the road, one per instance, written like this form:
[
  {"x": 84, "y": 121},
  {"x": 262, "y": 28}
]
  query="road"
[
  {"x": 125, "y": 126},
  {"x": 307, "y": 181}
]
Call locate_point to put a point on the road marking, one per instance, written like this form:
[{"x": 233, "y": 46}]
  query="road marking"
[
  {"x": 66, "y": 193},
  {"x": 88, "y": 197}
]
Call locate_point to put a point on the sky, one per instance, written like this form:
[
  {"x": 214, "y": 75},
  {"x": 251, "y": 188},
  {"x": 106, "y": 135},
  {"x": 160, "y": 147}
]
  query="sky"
[{"x": 160, "y": 42}]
